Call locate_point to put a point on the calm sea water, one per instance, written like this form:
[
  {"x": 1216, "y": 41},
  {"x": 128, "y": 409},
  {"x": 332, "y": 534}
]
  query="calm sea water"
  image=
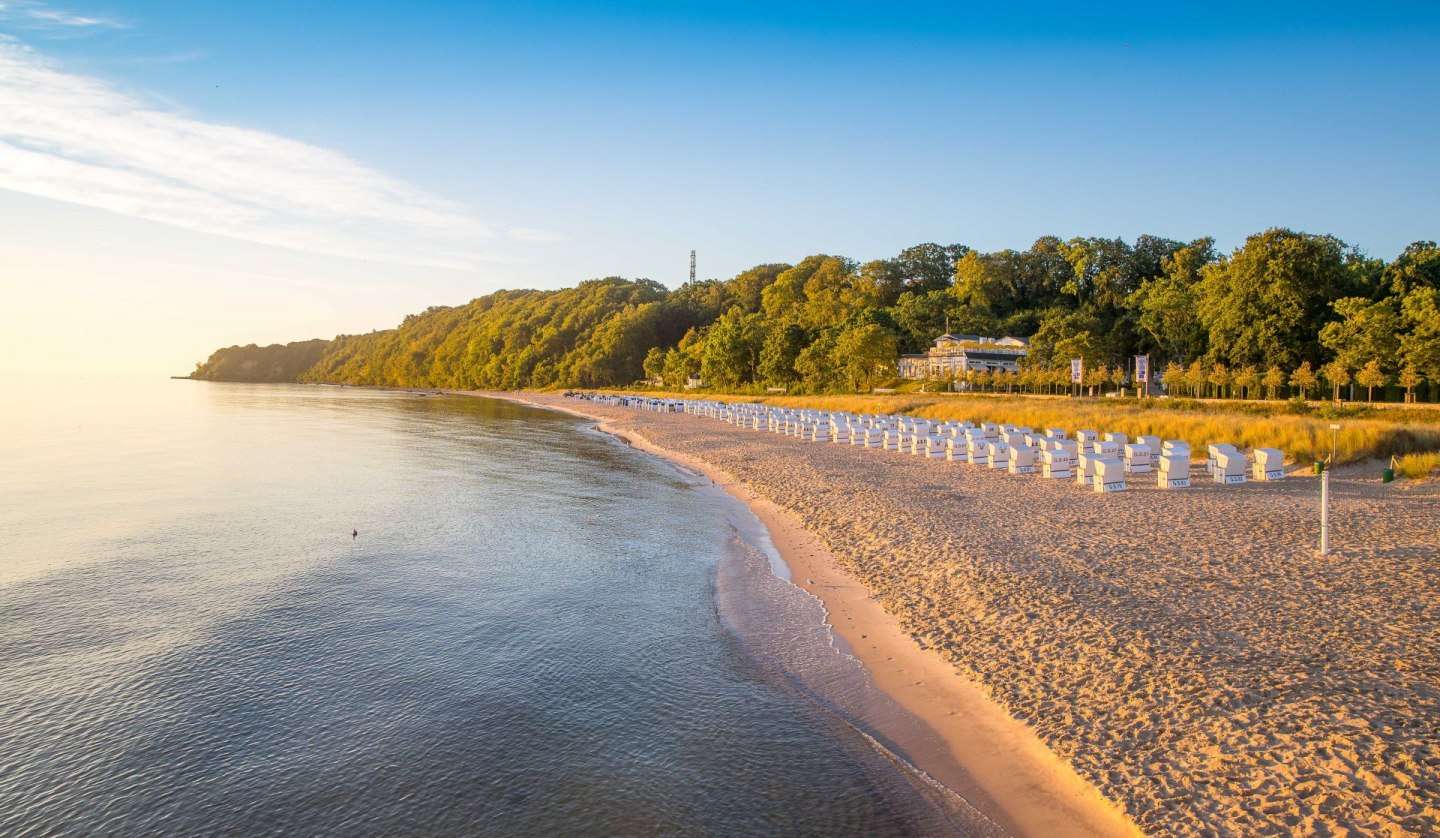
[{"x": 524, "y": 639}]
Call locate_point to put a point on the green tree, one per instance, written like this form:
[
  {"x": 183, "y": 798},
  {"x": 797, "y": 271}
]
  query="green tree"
[
  {"x": 1167, "y": 306},
  {"x": 1103, "y": 274},
  {"x": 864, "y": 353},
  {"x": 833, "y": 293},
  {"x": 1420, "y": 343},
  {"x": 732, "y": 349},
  {"x": 1304, "y": 380},
  {"x": 816, "y": 363},
  {"x": 1364, "y": 331},
  {"x": 1246, "y": 378},
  {"x": 1219, "y": 378},
  {"x": 747, "y": 289},
  {"x": 274, "y": 363},
  {"x": 884, "y": 279},
  {"x": 1337, "y": 375},
  {"x": 655, "y": 364},
  {"x": 1410, "y": 379},
  {"x": 922, "y": 317},
  {"x": 1274, "y": 379},
  {"x": 1263, "y": 304},
  {"x": 1173, "y": 378},
  {"x": 683, "y": 362},
  {"x": 1371, "y": 376},
  {"x": 1195, "y": 377},
  {"x": 1067, "y": 334},
  {"x": 783, "y": 344},
  {"x": 929, "y": 267},
  {"x": 783, "y": 301},
  {"x": 1418, "y": 266}
]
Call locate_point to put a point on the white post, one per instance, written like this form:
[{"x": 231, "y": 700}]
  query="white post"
[{"x": 1325, "y": 512}]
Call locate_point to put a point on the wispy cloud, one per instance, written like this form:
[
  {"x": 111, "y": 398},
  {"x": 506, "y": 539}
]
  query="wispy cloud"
[
  {"x": 78, "y": 139},
  {"x": 36, "y": 13}
]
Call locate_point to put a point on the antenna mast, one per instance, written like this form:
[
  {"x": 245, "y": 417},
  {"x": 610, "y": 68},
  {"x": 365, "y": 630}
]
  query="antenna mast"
[{"x": 692, "y": 267}]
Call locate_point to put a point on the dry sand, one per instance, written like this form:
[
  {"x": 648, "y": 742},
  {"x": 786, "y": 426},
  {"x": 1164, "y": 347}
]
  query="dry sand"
[{"x": 1186, "y": 652}]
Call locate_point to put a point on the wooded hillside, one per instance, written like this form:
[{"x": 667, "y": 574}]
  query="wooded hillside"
[{"x": 1283, "y": 314}]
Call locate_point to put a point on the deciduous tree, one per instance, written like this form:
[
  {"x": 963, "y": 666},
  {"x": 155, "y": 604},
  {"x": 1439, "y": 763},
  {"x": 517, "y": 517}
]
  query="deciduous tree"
[
  {"x": 1246, "y": 378},
  {"x": 1304, "y": 380},
  {"x": 1263, "y": 304},
  {"x": 1337, "y": 375},
  {"x": 1371, "y": 376},
  {"x": 1274, "y": 379}
]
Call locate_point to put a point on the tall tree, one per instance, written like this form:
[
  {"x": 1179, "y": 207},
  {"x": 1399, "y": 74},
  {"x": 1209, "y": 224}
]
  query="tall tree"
[
  {"x": 1337, "y": 375},
  {"x": 1365, "y": 331},
  {"x": 1418, "y": 266},
  {"x": 1103, "y": 271},
  {"x": 864, "y": 353},
  {"x": 1274, "y": 379},
  {"x": 747, "y": 288},
  {"x": 1371, "y": 376},
  {"x": 1410, "y": 379},
  {"x": 732, "y": 349},
  {"x": 816, "y": 362},
  {"x": 1168, "y": 305},
  {"x": 1304, "y": 380},
  {"x": 783, "y": 344},
  {"x": 929, "y": 267},
  {"x": 1263, "y": 303},
  {"x": 1420, "y": 343},
  {"x": 1246, "y": 378}
]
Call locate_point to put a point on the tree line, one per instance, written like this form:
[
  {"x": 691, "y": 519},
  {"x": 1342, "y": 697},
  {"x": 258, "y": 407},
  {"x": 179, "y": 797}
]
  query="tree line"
[{"x": 1275, "y": 317}]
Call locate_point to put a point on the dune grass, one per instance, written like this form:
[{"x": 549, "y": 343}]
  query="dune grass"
[
  {"x": 1303, "y": 438},
  {"x": 1419, "y": 466}
]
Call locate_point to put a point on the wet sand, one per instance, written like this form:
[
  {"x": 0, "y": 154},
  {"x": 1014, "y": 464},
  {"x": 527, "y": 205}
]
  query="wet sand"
[{"x": 1185, "y": 652}]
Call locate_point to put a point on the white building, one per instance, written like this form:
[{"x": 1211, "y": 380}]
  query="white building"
[{"x": 952, "y": 356}]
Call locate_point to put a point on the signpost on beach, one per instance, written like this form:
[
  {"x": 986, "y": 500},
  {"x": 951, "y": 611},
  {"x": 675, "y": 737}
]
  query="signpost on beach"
[
  {"x": 1142, "y": 373},
  {"x": 1325, "y": 512},
  {"x": 1077, "y": 372},
  {"x": 1325, "y": 493}
]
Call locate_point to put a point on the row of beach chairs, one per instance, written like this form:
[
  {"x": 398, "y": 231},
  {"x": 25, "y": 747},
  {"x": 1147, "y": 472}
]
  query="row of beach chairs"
[{"x": 1100, "y": 462}]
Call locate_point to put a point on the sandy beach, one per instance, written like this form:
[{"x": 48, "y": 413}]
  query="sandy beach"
[{"x": 1183, "y": 654}]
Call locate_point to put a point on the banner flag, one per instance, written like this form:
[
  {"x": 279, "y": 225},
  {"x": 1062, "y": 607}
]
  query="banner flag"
[
  {"x": 1142, "y": 369},
  {"x": 1077, "y": 370}
]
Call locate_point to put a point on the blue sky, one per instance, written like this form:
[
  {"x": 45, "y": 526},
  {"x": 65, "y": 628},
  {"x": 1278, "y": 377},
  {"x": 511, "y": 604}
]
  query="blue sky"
[{"x": 176, "y": 176}]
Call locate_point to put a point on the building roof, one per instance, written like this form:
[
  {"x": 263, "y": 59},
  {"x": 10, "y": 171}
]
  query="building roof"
[{"x": 981, "y": 355}]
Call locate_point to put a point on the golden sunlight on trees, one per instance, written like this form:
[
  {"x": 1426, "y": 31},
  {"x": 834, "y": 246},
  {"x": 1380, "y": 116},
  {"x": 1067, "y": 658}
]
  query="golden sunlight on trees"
[{"x": 1213, "y": 324}]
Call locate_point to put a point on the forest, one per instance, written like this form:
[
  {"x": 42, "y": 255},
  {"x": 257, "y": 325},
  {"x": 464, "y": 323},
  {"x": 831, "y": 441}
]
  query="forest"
[{"x": 1285, "y": 314}]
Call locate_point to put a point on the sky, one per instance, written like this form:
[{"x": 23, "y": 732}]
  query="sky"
[{"x": 175, "y": 177}]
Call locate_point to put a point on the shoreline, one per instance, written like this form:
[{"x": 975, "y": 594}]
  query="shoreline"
[{"x": 995, "y": 762}]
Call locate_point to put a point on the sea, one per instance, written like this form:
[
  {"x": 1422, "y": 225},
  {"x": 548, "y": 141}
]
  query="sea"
[{"x": 243, "y": 609}]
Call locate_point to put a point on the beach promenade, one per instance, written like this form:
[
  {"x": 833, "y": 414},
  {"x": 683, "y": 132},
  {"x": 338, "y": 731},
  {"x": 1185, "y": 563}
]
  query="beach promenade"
[{"x": 1186, "y": 652}]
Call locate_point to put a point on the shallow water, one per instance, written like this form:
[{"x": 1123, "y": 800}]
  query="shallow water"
[{"x": 524, "y": 639}]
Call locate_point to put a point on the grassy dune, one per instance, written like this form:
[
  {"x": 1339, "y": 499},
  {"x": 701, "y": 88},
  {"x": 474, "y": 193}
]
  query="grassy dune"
[{"x": 1412, "y": 435}]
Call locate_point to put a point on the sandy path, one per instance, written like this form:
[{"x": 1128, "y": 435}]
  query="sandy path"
[{"x": 1186, "y": 652}]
